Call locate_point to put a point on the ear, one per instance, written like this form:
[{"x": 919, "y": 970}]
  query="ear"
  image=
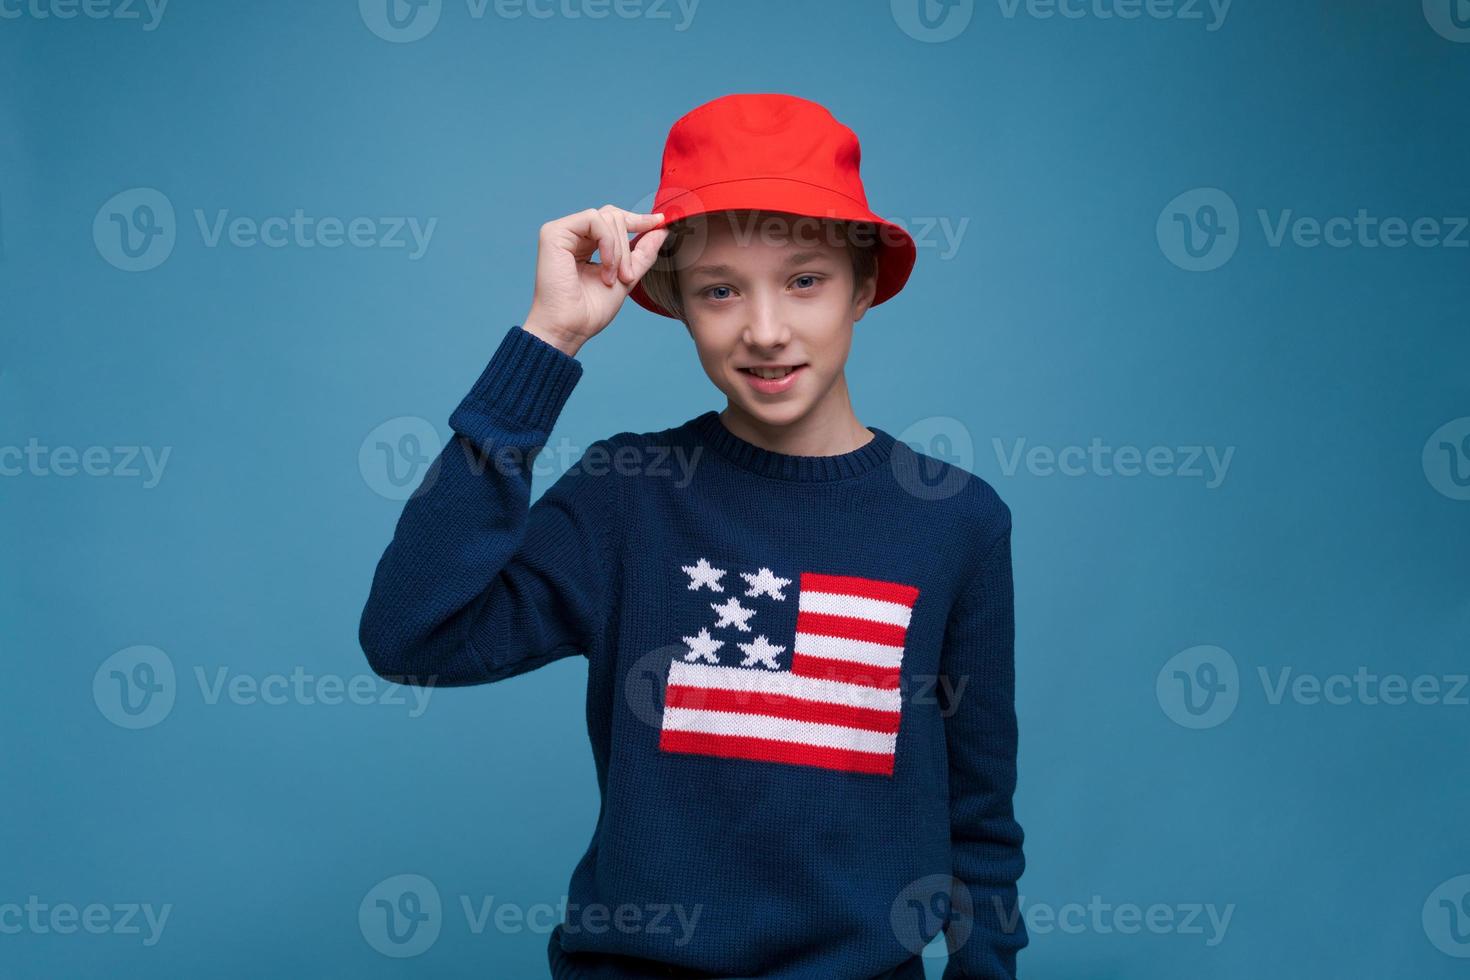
[{"x": 864, "y": 298}]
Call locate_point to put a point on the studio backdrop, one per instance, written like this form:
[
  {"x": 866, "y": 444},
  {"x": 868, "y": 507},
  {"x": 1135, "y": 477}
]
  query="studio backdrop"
[{"x": 1192, "y": 294}]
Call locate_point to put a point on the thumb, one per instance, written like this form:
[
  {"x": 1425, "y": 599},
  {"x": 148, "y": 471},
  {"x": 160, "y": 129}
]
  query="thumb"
[
  {"x": 646, "y": 251},
  {"x": 640, "y": 222}
]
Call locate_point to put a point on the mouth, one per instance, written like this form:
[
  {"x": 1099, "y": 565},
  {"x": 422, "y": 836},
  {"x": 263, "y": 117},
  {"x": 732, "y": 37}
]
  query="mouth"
[{"x": 774, "y": 378}]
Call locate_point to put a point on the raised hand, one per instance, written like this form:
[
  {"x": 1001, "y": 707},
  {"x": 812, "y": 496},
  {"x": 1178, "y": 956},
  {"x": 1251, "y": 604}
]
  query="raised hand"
[{"x": 576, "y": 297}]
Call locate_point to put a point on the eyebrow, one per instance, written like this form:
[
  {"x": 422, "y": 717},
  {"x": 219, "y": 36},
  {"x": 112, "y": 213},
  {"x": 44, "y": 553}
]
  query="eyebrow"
[{"x": 795, "y": 258}]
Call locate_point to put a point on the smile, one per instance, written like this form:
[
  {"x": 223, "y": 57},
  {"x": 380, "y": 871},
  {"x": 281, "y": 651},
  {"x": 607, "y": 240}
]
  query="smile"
[{"x": 774, "y": 379}]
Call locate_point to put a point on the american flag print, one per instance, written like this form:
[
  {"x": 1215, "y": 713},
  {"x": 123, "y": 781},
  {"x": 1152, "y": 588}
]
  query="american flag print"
[{"x": 826, "y": 695}]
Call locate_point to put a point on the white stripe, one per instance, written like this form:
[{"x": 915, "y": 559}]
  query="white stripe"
[
  {"x": 781, "y": 729},
  {"x": 855, "y": 651},
  {"x": 764, "y": 681},
  {"x": 837, "y": 604}
]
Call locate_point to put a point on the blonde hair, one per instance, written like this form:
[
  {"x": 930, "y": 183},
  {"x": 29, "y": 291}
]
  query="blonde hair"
[{"x": 661, "y": 281}]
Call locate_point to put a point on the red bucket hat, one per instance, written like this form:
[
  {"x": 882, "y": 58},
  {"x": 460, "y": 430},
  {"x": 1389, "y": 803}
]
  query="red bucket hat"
[{"x": 771, "y": 152}]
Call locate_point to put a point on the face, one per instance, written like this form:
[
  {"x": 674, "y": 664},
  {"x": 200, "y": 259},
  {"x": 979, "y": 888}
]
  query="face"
[{"x": 771, "y": 291}]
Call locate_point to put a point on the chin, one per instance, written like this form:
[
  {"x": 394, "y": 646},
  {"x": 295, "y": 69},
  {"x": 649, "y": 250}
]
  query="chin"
[{"x": 783, "y": 413}]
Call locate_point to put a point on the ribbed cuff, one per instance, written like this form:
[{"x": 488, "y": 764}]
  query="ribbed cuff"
[{"x": 527, "y": 381}]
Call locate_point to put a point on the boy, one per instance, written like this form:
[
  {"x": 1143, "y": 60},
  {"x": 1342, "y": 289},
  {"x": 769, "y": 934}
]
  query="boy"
[{"x": 828, "y": 780}]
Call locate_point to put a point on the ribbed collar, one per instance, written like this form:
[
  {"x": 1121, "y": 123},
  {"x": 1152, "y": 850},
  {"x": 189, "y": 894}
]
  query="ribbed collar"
[{"x": 711, "y": 430}]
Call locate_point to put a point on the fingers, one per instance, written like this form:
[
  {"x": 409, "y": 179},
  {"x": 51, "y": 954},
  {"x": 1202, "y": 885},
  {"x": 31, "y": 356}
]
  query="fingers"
[
  {"x": 641, "y": 222},
  {"x": 619, "y": 260},
  {"x": 607, "y": 245},
  {"x": 632, "y": 222},
  {"x": 606, "y": 230},
  {"x": 642, "y": 259},
  {"x": 646, "y": 251}
]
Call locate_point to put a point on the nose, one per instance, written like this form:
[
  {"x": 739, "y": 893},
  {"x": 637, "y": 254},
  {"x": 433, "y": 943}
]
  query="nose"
[{"x": 767, "y": 328}]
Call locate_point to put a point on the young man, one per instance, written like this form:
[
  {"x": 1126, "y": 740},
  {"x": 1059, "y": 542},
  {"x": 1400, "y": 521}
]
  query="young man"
[{"x": 827, "y": 779}]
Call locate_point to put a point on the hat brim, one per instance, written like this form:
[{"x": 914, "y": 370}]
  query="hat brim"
[{"x": 896, "y": 249}]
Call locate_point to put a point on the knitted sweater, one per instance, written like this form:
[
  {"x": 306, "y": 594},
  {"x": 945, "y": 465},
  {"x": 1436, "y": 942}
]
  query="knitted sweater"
[{"x": 800, "y": 680}]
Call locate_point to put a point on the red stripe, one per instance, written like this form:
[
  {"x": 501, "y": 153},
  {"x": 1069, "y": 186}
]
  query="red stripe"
[
  {"x": 780, "y": 706},
  {"x": 869, "y": 675},
  {"x": 850, "y": 628},
  {"x": 870, "y": 588},
  {"x": 772, "y": 750}
]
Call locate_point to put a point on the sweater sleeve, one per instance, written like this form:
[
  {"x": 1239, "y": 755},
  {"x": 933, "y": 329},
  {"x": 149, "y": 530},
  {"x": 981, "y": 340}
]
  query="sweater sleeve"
[
  {"x": 478, "y": 585},
  {"x": 980, "y": 734}
]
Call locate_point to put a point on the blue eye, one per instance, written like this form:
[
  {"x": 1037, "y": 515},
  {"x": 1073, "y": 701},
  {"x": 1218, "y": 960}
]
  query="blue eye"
[
  {"x": 816, "y": 279},
  {"x": 712, "y": 289}
]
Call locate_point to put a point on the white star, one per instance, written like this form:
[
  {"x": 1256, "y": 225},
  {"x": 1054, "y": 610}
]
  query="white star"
[
  {"x": 732, "y": 613},
  {"x": 765, "y": 581},
  {"x": 761, "y": 650},
  {"x": 704, "y": 574},
  {"x": 704, "y": 646}
]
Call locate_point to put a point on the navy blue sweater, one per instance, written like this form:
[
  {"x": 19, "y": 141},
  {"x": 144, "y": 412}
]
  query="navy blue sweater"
[{"x": 800, "y": 680}]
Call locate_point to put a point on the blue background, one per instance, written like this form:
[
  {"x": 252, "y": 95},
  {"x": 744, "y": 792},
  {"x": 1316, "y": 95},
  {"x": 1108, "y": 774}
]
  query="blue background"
[{"x": 1330, "y": 544}]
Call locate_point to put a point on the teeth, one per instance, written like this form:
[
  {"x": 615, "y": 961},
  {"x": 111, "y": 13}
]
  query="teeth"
[{"x": 770, "y": 374}]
